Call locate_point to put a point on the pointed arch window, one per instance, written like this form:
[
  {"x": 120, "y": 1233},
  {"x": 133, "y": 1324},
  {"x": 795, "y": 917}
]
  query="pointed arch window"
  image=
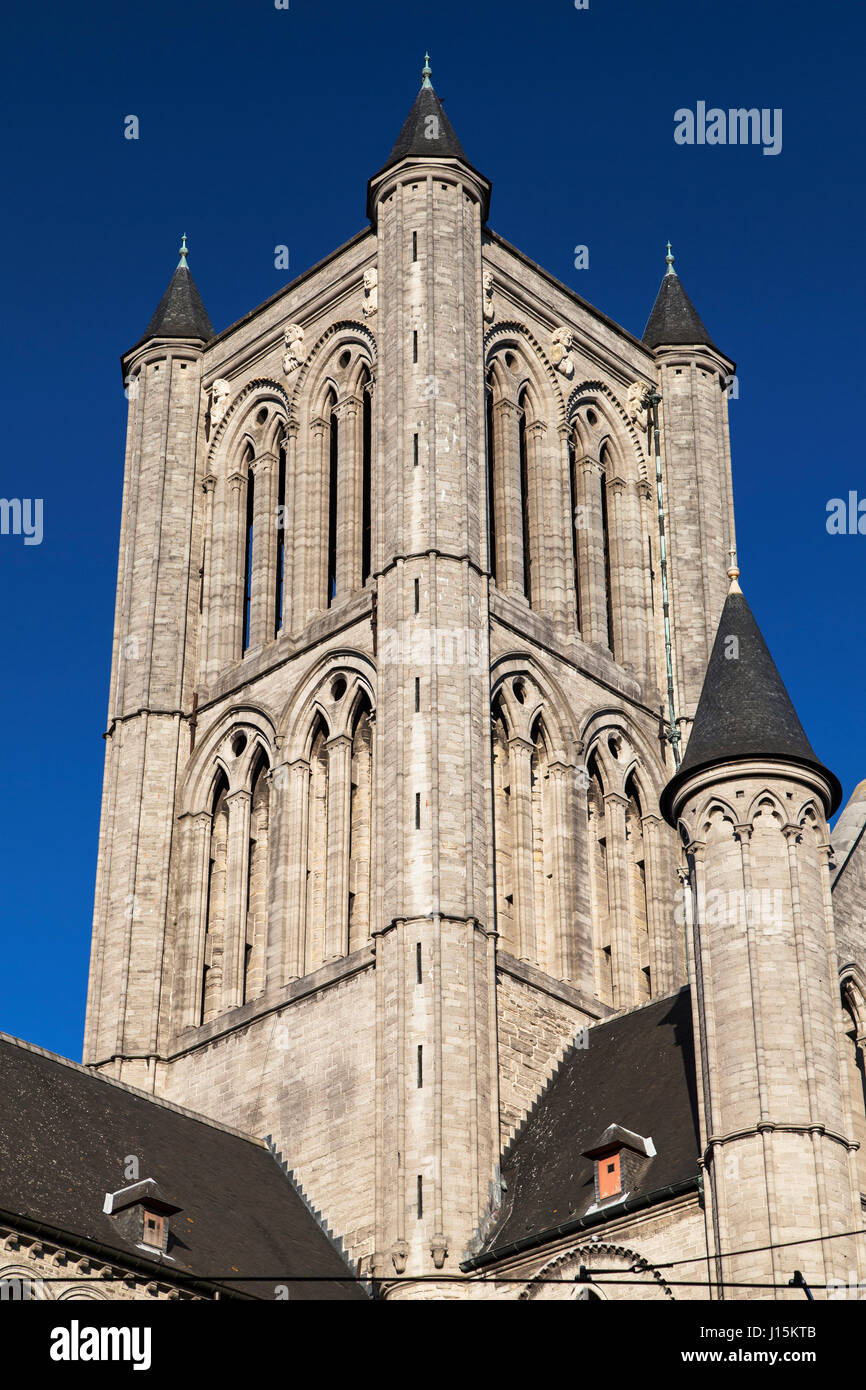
[
  {"x": 280, "y": 561},
  {"x": 255, "y": 931},
  {"x": 215, "y": 910},
  {"x": 248, "y": 547},
  {"x": 491, "y": 480},
  {"x": 598, "y": 869},
  {"x": 317, "y": 846},
  {"x": 638, "y": 908},
  {"x": 854, "y": 1020},
  {"x": 580, "y": 616},
  {"x": 333, "y": 483},
  {"x": 526, "y": 529},
  {"x": 503, "y": 832},
  {"x": 607, "y": 464},
  {"x": 366, "y": 474},
  {"x": 360, "y": 826}
]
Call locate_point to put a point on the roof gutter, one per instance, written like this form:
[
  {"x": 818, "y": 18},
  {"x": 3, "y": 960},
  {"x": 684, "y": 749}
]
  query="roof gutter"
[
  {"x": 153, "y": 1271},
  {"x": 582, "y": 1223}
]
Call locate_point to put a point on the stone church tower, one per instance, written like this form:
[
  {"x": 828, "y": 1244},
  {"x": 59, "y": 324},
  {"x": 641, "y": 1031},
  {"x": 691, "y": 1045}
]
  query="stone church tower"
[{"x": 421, "y": 564}]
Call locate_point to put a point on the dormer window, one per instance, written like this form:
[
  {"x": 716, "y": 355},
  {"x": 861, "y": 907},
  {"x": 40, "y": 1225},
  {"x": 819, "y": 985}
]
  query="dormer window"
[
  {"x": 620, "y": 1159},
  {"x": 141, "y": 1215}
]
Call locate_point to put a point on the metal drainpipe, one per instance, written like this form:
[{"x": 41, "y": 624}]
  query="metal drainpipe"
[{"x": 672, "y": 733}]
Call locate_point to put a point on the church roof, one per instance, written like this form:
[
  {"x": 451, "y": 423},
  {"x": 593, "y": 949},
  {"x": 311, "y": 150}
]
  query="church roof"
[
  {"x": 674, "y": 318},
  {"x": 181, "y": 313},
  {"x": 744, "y": 711},
  {"x": 427, "y": 133},
  {"x": 65, "y": 1133},
  {"x": 637, "y": 1071}
]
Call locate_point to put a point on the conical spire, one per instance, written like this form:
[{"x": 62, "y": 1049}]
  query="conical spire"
[
  {"x": 181, "y": 313},
  {"x": 674, "y": 319},
  {"x": 744, "y": 712},
  {"x": 427, "y": 134}
]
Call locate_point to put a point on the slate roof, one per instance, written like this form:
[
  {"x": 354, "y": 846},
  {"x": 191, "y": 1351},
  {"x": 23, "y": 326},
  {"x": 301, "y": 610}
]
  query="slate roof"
[
  {"x": 180, "y": 313},
  {"x": 415, "y": 140},
  {"x": 65, "y": 1133},
  {"x": 638, "y": 1072},
  {"x": 674, "y": 318},
  {"x": 744, "y": 710}
]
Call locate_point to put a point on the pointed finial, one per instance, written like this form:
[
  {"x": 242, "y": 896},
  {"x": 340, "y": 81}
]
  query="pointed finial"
[
  {"x": 182, "y": 265},
  {"x": 669, "y": 262},
  {"x": 733, "y": 572},
  {"x": 426, "y": 71}
]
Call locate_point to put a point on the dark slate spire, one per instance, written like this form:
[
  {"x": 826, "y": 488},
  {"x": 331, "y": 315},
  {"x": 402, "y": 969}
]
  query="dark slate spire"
[
  {"x": 180, "y": 313},
  {"x": 674, "y": 319},
  {"x": 744, "y": 711},
  {"x": 427, "y": 132}
]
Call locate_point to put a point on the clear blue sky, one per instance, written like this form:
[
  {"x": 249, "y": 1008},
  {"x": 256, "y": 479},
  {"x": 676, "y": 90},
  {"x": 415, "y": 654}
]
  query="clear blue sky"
[{"x": 260, "y": 127}]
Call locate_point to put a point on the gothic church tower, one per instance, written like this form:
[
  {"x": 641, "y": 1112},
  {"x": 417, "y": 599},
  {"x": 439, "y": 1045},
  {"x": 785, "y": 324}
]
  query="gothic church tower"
[{"x": 409, "y": 590}]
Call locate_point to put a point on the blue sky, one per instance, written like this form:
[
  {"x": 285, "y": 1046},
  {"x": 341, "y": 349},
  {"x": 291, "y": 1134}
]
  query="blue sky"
[{"x": 259, "y": 127}]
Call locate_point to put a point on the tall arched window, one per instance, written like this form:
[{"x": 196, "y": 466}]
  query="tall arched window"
[
  {"x": 317, "y": 847},
  {"x": 533, "y": 914},
  {"x": 525, "y": 501},
  {"x": 854, "y": 1015},
  {"x": 257, "y": 884},
  {"x": 503, "y": 832},
  {"x": 366, "y": 473},
  {"x": 576, "y": 520},
  {"x": 607, "y": 463},
  {"x": 637, "y": 892},
  {"x": 215, "y": 912},
  {"x": 280, "y": 567},
  {"x": 333, "y": 484},
  {"x": 543, "y": 843},
  {"x": 360, "y": 829},
  {"x": 598, "y": 882},
  {"x": 491, "y": 481},
  {"x": 248, "y": 546}
]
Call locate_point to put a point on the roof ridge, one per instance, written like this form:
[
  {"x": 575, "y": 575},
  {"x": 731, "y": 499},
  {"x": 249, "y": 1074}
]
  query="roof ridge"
[
  {"x": 317, "y": 1215},
  {"x": 133, "y": 1090}
]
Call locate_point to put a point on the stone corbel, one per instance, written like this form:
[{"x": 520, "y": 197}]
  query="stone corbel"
[
  {"x": 399, "y": 1256},
  {"x": 438, "y": 1250}
]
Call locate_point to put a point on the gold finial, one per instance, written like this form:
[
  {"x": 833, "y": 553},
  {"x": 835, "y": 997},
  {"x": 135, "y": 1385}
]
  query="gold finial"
[{"x": 733, "y": 572}]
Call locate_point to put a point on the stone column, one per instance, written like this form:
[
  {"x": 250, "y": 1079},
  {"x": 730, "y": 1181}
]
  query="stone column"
[
  {"x": 648, "y": 527},
  {"x": 236, "y": 897},
  {"x": 231, "y": 619},
  {"x": 206, "y": 665},
  {"x": 339, "y": 827}
]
